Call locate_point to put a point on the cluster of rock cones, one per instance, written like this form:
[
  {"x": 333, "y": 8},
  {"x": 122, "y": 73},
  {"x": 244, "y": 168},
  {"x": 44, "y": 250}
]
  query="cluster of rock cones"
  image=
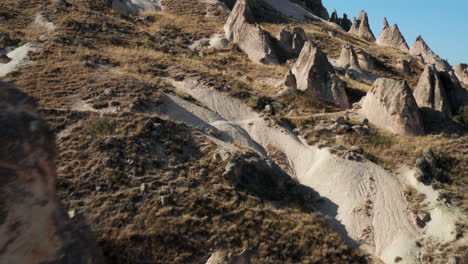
[{"x": 390, "y": 104}]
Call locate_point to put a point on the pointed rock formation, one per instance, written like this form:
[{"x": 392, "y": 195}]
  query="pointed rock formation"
[
  {"x": 290, "y": 85},
  {"x": 365, "y": 60},
  {"x": 461, "y": 71},
  {"x": 136, "y": 6},
  {"x": 390, "y": 105},
  {"x": 431, "y": 92},
  {"x": 315, "y": 75},
  {"x": 344, "y": 22},
  {"x": 241, "y": 29},
  {"x": 404, "y": 66},
  {"x": 420, "y": 48},
  {"x": 348, "y": 58},
  {"x": 392, "y": 37},
  {"x": 385, "y": 23},
  {"x": 33, "y": 229},
  {"x": 292, "y": 40},
  {"x": 457, "y": 95},
  {"x": 361, "y": 27}
]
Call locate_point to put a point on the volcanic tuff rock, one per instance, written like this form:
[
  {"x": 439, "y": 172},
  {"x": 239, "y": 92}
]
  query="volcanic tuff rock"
[
  {"x": 457, "y": 95},
  {"x": 315, "y": 75},
  {"x": 344, "y": 22},
  {"x": 290, "y": 85},
  {"x": 292, "y": 40},
  {"x": 136, "y": 6},
  {"x": 461, "y": 71},
  {"x": 404, "y": 66},
  {"x": 361, "y": 27},
  {"x": 365, "y": 60},
  {"x": 391, "y": 105},
  {"x": 251, "y": 38},
  {"x": 348, "y": 58},
  {"x": 33, "y": 229},
  {"x": 420, "y": 48},
  {"x": 392, "y": 37},
  {"x": 221, "y": 257},
  {"x": 431, "y": 92}
]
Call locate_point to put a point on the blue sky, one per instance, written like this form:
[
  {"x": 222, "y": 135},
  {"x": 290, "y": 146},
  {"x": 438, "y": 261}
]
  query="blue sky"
[{"x": 442, "y": 24}]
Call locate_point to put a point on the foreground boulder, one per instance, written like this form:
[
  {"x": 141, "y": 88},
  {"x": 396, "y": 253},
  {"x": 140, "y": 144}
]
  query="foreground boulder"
[
  {"x": 316, "y": 76},
  {"x": 390, "y": 105},
  {"x": 421, "y": 49},
  {"x": 431, "y": 92},
  {"x": 33, "y": 229},
  {"x": 241, "y": 29},
  {"x": 136, "y": 6},
  {"x": 292, "y": 40},
  {"x": 344, "y": 22},
  {"x": 461, "y": 71},
  {"x": 392, "y": 37},
  {"x": 361, "y": 27}
]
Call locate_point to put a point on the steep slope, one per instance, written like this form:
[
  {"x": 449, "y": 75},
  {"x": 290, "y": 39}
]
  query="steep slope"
[{"x": 156, "y": 190}]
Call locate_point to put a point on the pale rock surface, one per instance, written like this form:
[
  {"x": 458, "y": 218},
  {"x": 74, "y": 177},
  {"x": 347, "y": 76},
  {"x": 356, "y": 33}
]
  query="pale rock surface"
[
  {"x": 420, "y": 48},
  {"x": 315, "y": 75},
  {"x": 348, "y": 58},
  {"x": 221, "y": 257},
  {"x": 18, "y": 57},
  {"x": 365, "y": 60},
  {"x": 241, "y": 29},
  {"x": 33, "y": 229},
  {"x": 292, "y": 40},
  {"x": 431, "y": 92},
  {"x": 404, "y": 66},
  {"x": 461, "y": 71},
  {"x": 136, "y": 6},
  {"x": 392, "y": 37},
  {"x": 390, "y": 105},
  {"x": 456, "y": 93},
  {"x": 290, "y": 85},
  {"x": 361, "y": 27}
]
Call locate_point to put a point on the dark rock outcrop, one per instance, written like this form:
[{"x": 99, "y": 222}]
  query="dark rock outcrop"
[
  {"x": 292, "y": 40},
  {"x": 241, "y": 29},
  {"x": 390, "y": 105},
  {"x": 33, "y": 228},
  {"x": 315, "y": 76},
  {"x": 344, "y": 22},
  {"x": 316, "y": 7},
  {"x": 361, "y": 27}
]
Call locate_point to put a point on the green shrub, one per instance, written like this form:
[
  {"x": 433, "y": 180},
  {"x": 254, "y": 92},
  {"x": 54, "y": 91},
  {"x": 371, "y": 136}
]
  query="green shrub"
[{"x": 101, "y": 126}]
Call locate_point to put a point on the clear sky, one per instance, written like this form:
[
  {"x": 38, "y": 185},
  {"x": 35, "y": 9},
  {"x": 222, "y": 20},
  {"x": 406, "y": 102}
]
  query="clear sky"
[{"x": 442, "y": 24}]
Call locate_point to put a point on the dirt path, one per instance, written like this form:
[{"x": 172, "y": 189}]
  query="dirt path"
[{"x": 366, "y": 200}]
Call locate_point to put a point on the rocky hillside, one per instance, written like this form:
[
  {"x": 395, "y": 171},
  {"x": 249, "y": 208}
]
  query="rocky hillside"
[{"x": 248, "y": 131}]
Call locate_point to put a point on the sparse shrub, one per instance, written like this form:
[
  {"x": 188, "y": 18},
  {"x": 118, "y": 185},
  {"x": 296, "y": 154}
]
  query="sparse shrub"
[
  {"x": 462, "y": 117},
  {"x": 380, "y": 141},
  {"x": 101, "y": 126}
]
